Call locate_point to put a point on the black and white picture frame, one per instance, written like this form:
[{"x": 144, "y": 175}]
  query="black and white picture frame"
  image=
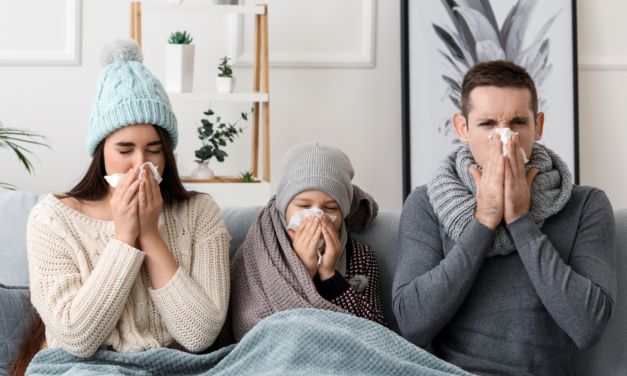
[{"x": 442, "y": 39}]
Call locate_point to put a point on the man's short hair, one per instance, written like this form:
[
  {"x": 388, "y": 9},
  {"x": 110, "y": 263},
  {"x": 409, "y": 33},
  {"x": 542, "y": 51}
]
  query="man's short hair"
[{"x": 499, "y": 73}]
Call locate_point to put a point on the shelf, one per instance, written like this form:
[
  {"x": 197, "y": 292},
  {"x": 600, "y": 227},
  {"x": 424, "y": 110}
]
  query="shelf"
[
  {"x": 234, "y": 195},
  {"x": 218, "y": 179},
  {"x": 209, "y": 96},
  {"x": 200, "y": 8}
]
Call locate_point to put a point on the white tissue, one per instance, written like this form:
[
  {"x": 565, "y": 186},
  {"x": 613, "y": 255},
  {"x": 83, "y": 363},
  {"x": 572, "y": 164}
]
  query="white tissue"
[
  {"x": 300, "y": 215},
  {"x": 115, "y": 179},
  {"x": 506, "y": 136}
]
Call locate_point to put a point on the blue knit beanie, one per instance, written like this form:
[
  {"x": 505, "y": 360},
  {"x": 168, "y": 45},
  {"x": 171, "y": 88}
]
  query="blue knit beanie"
[{"x": 127, "y": 93}]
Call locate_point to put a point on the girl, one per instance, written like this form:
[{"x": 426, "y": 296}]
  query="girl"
[
  {"x": 135, "y": 267},
  {"x": 276, "y": 270}
]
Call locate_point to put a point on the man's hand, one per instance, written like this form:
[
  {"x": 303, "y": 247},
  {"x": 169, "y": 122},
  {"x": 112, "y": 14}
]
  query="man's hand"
[
  {"x": 490, "y": 186},
  {"x": 517, "y": 185}
]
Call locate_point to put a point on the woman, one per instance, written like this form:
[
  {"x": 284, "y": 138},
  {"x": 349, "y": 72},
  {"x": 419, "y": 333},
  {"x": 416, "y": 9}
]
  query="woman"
[{"x": 135, "y": 267}]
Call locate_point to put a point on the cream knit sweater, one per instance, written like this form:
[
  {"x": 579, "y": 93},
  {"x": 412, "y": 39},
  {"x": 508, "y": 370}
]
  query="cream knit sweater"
[{"x": 93, "y": 291}]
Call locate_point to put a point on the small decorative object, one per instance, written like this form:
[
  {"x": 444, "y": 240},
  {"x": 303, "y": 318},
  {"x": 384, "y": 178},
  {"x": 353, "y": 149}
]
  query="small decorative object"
[
  {"x": 225, "y": 80},
  {"x": 179, "y": 63},
  {"x": 246, "y": 176},
  {"x": 212, "y": 140},
  {"x": 203, "y": 172},
  {"x": 225, "y": 2},
  {"x": 10, "y": 137}
]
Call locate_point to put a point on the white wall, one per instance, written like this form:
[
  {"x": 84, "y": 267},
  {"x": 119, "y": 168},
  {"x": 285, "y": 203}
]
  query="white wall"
[
  {"x": 602, "y": 97},
  {"x": 358, "y": 110}
]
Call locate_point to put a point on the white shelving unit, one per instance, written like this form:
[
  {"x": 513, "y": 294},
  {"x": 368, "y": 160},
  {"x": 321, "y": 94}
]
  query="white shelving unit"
[
  {"x": 208, "y": 96},
  {"x": 226, "y": 191},
  {"x": 234, "y": 195},
  {"x": 204, "y": 8}
]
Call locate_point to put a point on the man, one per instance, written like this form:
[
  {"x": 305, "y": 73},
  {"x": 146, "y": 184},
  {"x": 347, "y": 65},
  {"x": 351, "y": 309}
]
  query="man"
[{"x": 503, "y": 264}]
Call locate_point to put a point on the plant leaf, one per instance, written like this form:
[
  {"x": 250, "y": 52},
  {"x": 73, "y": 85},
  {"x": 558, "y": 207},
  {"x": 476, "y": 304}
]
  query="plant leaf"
[
  {"x": 515, "y": 26},
  {"x": 452, "y": 46}
]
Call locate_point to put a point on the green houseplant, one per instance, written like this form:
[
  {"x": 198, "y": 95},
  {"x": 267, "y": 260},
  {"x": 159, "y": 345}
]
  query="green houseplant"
[
  {"x": 11, "y": 138},
  {"x": 225, "y": 80},
  {"x": 247, "y": 176},
  {"x": 179, "y": 63},
  {"x": 214, "y": 136}
]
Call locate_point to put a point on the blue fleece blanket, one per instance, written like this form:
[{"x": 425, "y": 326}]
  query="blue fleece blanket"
[{"x": 296, "y": 342}]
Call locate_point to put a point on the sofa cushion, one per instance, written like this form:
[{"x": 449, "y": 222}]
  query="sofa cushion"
[
  {"x": 609, "y": 356},
  {"x": 15, "y": 207},
  {"x": 382, "y": 237},
  {"x": 15, "y": 318},
  {"x": 238, "y": 221}
]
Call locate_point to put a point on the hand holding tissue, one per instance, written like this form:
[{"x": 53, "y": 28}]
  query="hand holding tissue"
[
  {"x": 506, "y": 135},
  {"x": 115, "y": 179},
  {"x": 300, "y": 215}
]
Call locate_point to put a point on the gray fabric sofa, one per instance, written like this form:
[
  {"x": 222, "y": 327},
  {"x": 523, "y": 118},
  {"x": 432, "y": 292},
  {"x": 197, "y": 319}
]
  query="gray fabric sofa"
[{"x": 608, "y": 358}]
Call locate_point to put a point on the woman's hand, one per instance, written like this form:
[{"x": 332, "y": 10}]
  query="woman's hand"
[
  {"x": 124, "y": 205},
  {"x": 326, "y": 269},
  {"x": 305, "y": 242},
  {"x": 150, "y": 202}
]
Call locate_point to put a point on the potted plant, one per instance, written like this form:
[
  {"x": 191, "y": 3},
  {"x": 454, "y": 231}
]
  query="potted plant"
[
  {"x": 179, "y": 63},
  {"x": 247, "y": 176},
  {"x": 10, "y": 137},
  {"x": 213, "y": 139},
  {"x": 225, "y": 80}
]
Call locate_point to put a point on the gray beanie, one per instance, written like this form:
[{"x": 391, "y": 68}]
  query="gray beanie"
[{"x": 312, "y": 165}]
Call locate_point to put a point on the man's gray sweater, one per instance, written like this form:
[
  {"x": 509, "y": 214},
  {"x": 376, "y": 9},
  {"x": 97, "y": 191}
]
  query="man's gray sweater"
[{"x": 507, "y": 315}]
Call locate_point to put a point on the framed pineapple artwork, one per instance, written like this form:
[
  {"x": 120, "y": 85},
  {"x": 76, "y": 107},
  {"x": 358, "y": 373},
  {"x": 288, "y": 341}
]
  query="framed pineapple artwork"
[{"x": 442, "y": 39}]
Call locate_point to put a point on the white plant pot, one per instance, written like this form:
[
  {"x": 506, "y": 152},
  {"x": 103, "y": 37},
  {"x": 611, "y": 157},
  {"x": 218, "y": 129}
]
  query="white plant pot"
[
  {"x": 179, "y": 67},
  {"x": 225, "y": 84},
  {"x": 203, "y": 172}
]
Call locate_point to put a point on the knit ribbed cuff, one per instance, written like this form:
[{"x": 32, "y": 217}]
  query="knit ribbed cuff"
[
  {"x": 477, "y": 237},
  {"x": 333, "y": 287},
  {"x": 524, "y": 230}
]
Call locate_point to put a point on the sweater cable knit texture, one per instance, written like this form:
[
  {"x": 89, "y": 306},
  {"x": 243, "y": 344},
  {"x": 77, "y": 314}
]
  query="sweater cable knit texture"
[{"x": 93, "y": 291}]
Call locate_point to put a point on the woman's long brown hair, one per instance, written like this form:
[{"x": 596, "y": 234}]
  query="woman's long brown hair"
[{"x": 93, "y": 187}]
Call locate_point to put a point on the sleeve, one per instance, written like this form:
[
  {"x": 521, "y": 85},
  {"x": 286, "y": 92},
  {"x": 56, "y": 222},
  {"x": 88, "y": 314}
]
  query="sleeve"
[
  {"x": 366, "y": 304},
  {"x": 579, "y": 294},
  {"x": 79, "y": 313},
  {"x": 428, "y": 287},
  {"x": 194, "y": 303}
]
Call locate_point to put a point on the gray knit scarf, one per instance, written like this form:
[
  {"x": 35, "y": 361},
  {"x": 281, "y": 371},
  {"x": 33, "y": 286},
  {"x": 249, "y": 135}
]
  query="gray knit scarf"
[{"x": 452, "y": 193}]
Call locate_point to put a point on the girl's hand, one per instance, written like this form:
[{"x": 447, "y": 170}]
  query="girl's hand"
[
  {"x": 150, "y": 202},
  {"x": 305, "y": 242},
  {"x": 326, "y": 269},
  {"x": 124, "y": 208}
]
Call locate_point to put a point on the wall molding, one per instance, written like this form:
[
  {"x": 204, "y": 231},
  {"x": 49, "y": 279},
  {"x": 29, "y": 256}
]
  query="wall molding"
[
  {"x": 70, "y": 56},
  {"x": 364, "y": 59},
  {"x": 611, "y": 63}
]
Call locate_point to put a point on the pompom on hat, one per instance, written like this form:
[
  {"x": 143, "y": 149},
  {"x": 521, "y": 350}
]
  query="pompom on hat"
[{"x": 127, "y": 93}]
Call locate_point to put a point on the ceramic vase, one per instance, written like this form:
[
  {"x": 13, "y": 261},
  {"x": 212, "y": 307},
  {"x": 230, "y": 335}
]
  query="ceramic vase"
[
  {"x": 179, "y": 67},
  {"x": 203, "y": 172},
  {"x": 225, "y": 84}
]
